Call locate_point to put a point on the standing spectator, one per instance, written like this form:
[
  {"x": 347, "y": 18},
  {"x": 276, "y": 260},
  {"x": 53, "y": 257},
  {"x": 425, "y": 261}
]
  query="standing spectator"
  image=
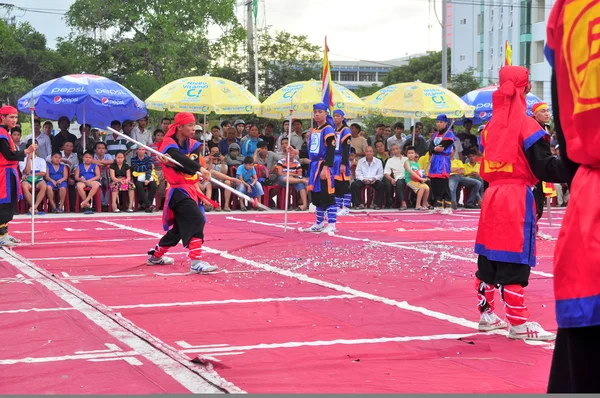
[
  {"x": 127, "y": 130},
  {"x": 240, "y": 129},
  {"x": 369, "y": 171},
  {"x": 215, "y": 139},
  {"x": 85, "y": 134},
  {"x": 439, "y": 167},
  {"x": 161, "y": 185},
  {"x": 141, "y": 169},
  {"x": 116, "y": 144},
  {"x": 35, "y": 179},
  {"x": 103, "y": 160},
  {"x": 120, "y": 181},
  {"x": 386, "y": 134},
  {"x": 249, "y": 146},
  {"x": 398, "y": 136},
  {"x": 249, "y": 181},
  {"x": 468, "y": 140},
  {"x": 415, "y": 180},
  {"x": 457, "y": 178},
  {"x": 394, "y": 177},
  {"x": 87, "y": 176},
  {"x": 64, "y": 135},
  {"x": 229, "y": 139},
  {"x": 48, "y": 128},
  {"x": 358, "y": 142},
  {"x": 379, "y": 130},
  {"x": 141, "y": 132},
  {"x": 44, "y": 142},
  {"x": 381, "y": 153},
  {"x": 268, "y": 137},
  {"x": 165, "y": 122},
  {"x": 15, "y": 134},
  {"x": 57, "y": 180},
  {"x": 421, "y": 146}
]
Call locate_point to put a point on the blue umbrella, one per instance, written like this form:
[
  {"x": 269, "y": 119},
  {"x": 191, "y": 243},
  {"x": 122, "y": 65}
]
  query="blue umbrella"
[
  {"x": 481, "y": 99},
  {"x": 92, "y": 99}
]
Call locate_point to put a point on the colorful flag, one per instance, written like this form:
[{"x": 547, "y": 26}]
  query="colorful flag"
[
  {"x": 327, "y": 85},
  {"x": 255, "y": 10},
  {"x": 507, "y": 54}
]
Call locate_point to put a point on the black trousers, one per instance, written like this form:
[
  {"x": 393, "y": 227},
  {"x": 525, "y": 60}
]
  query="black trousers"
[
  {"x": 357, "y": 187},
  {"x": 7, "y": 210},
  {"x": 440, "y": 190},
  {"x": 500, "y": 273},
  {"x": 389, "y": 190},
  {"x": 322, "y": 198},
  {"x": 576, "y": 361},
  {"x": 540, "y": 199},
  {"x": 189, "y": 221},
  {"x": 146, "y": 198},
  {"x": 341, "y": 188}
]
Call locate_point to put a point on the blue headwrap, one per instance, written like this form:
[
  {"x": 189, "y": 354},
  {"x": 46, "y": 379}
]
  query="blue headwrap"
[
  {"x": 322, "y": 107},
  {"x": 442, "y": 118},
  {"x": 342, "y": 114}
]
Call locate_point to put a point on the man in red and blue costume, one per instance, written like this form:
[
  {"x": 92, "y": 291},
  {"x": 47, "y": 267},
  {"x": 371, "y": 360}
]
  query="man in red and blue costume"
[
  {"x": 321, "y": 152},
  {"x": 10, "y": 188},
  {"x": 516, "y": 154},
  {"x": 341, "y": 164},
  {"x": 572, "y": 50},
  {"x": 183, "y": 210},
  {"x": 440, "y": 149}
]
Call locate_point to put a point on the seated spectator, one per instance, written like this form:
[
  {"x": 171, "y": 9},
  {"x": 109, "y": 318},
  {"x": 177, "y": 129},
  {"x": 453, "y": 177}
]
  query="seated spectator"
[
  {"x": 103, "y": 160},
  {"x": 249, "y": 181},
  {"x": 57, "y": 177},
  {"x": 358, "y": 141},
  {"x": 216, "y": 162},
  {"x": 381, "y": 153},
  {"x": 234, "y": 157},
  {"x": 369, "y": 171},
  {"x": 44, "y": 142},
  {"x": 35, "y": 178},
  {"x": 144, "y": 177},
  {"x": 120, "y": 181},
  {"x": 115, "y": 143},
  {"x": 269, "y": 159},
  {"x": 457, "y": 177},
  {"x": 415, "y": 180},
  {"x": 229, "y": 139},
  {"x": 69, "y": 158},
  {"x": 353, "y": 163},
  {"x": 15, "y": 134},
  {"x": 472, "y": 168},
  {"x": 249, "y": 145},
  {"x": 394, "y": 178},
  {"x": 296, "y": 180},
  {"x": 87, "y": 176},
  {"x": 161, "y": 183},
  {"x": 268, "y": 136}
]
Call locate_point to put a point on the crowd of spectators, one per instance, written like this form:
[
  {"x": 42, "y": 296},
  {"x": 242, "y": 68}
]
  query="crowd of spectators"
[{"x": 388, "y": 168}]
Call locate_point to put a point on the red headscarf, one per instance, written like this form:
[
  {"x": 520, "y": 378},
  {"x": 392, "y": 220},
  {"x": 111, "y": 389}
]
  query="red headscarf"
[
  {"x": 180, "y": 120},
  {"x": 509, "y": 112},
  {"x": 8, "y": 110}
]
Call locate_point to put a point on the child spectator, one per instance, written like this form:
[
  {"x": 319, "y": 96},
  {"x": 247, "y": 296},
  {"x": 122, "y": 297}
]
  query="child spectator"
[
  {"x": 296, "y": 181},
  {"x": 249, "y": 181},
  {"x": 353, "y": 163},
  {"x": 120, "y": 181},
  {"x": 15, "y": 134},
  {"x": 415, "y": 180},
  {"x": 57, "y": 180},
  {"x": 141, "y": 168},
  {"x": 87, "y": 176},
  {"x": 35, "y": 178},
  {"x": 103, "y": 160}
]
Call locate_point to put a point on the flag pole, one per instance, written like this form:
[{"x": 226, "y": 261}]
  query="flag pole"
[
  {"x": 33, "y": 184},
  {"x": 287, "y": 181}
]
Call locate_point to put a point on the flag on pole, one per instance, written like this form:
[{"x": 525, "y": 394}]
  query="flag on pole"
[
  {"x": 255, "y": 10},
  {"x": 507, "y": 54},
  {"x": 327, "y": 85}
]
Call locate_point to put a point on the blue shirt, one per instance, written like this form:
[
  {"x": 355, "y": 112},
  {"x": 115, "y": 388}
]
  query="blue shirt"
[
  {"x": 249, "y": 146},
  {"x": 246, "y": 174}
]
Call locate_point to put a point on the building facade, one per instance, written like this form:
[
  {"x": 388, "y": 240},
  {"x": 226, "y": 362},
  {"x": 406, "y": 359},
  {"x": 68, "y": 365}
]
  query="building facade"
[{"x": 480, "y": 29}]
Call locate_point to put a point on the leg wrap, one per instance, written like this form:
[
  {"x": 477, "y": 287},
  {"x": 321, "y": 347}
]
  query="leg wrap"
[
  {"x": 195, "y": 248},
  {"x": 159, "y": 251},
  {"x": 320, "y": 215},
  {"x": 514, "y": 304},
  {"x": 331, "y": 214},
  {"x": 485, "y": 295}
]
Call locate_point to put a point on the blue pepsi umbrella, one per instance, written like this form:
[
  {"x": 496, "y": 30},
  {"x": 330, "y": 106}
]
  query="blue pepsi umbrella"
[
  {"x": 481, "y": 99},
  {"x": 92, "y": 99}
]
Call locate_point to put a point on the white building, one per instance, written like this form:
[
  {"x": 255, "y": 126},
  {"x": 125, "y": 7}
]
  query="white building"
[
  {"x": 355, "y": 74},
  {"x": 480, "y": 29}
]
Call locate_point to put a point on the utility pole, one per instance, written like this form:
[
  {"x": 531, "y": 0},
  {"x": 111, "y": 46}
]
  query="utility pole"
[
  {"x": 252, "y": 83},
  {"x": 444, "y": 44}
]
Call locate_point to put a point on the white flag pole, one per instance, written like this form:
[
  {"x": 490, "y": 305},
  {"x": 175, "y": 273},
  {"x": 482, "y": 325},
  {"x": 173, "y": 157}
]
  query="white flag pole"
[
  {"x": 33, "y": 184},
  {"x": 287, "y": 182}
]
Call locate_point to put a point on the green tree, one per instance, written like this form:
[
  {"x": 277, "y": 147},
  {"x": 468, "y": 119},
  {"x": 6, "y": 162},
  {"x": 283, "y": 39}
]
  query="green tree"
[
  {"x": 365, "y": 91},
  {"x": 145, "y": 44},
  {"x": 462, "y": 83},
  {"x": 286, "y": 58},
  {"x": 427, "y": 69}
]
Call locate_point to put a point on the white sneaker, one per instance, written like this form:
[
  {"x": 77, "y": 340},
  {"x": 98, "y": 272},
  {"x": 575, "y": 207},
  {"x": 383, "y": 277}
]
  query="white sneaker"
[
  {"x": 13, "y": 239},
  {"x": 199, "y": 266},
  {"x": 490, "y": 321},
  {"x": 164, "y": 260},
  {"x": 316, "y": 228},
  {"x": 544, "y": 236},
  {"x": 6, "y": 241},
  {"x": 446, "y": 211},
  {"x": 343, "y": 211},
  {"x": 529, "y": 331},
  {"x": 329, "y": 229}
]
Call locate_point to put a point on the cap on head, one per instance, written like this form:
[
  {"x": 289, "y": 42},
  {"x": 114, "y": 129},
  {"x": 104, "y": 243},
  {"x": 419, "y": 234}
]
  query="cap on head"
[
  {"x": 442, "y": 118},
  {"x": 539, "y": 106}
]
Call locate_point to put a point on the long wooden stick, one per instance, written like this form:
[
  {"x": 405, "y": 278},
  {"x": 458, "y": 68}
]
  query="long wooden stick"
[{"x": 254, "y": 201}]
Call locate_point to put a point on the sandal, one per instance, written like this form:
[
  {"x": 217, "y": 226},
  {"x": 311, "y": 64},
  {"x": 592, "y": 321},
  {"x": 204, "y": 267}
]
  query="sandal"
[
  {"x": 129, "y": 210},
  {"x": 116, "y": 210}
]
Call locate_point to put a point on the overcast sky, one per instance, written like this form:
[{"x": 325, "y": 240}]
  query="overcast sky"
[{"x": 373, "y": 30}]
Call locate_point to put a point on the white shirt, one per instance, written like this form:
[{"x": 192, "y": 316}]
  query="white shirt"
[
  {"x": 395, "y": 166},
  {"x": 144, "y": 137},
  {"x": 72, "y": 158},
  {"x": 393, "y": 140},
  {"x": 39, "y": 164},
  {"x": 366, "y": 171},
  {"x": 44, "y": 144}
]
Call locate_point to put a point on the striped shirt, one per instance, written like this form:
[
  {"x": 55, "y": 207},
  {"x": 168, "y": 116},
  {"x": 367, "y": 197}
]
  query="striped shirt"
[
  {"x": 119, "y": 145},
  {"x": 142, "y": 165}
]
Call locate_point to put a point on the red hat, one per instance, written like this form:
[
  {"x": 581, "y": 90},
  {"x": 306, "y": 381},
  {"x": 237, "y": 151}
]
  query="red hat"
[
  {"x": 538, "y": 106},
  {"x": 8, "y": 110},
  {"x": 180, "y": 120}
]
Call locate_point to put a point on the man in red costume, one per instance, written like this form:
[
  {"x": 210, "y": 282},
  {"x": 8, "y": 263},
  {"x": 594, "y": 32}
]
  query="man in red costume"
[
  {"x": 573, "y": 49},
  {"x": 10, "y": 189},
  {"x": 183, "y": 211},
  {"x": 516, "y": 155}
]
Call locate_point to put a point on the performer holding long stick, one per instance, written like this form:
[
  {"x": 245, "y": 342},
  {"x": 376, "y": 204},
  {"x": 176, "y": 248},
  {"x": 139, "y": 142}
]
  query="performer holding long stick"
[{"x": 10, "y": 188}]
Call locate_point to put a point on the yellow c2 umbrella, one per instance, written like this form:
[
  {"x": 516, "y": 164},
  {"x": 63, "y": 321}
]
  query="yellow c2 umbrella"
[
  {"x": 203, "y": 95},
  {"x": 417, "y": 100},
  {"x": 303, "y": 95}
]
